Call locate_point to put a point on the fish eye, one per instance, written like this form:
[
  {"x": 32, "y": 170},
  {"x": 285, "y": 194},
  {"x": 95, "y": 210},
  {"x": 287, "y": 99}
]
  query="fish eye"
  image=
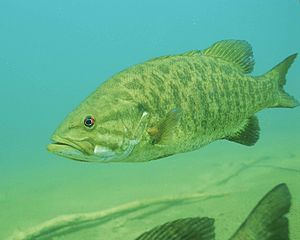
[{"x": 89, "y": 121}]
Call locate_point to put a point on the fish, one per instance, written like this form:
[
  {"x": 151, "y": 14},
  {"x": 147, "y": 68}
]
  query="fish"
[
  {"x": 173, "y": 104},
  {"x": 267, "y": 221}
]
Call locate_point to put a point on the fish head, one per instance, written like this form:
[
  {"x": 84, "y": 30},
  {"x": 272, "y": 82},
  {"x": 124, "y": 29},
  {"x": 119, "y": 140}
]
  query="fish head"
[{"x": 101, "y": 133}]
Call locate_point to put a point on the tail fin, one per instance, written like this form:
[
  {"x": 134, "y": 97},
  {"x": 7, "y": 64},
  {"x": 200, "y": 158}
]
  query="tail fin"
[
  {"x": 267, "y": 220},
  {"x": 278, "y": 73},
  {"x": 182, "y": 229}
]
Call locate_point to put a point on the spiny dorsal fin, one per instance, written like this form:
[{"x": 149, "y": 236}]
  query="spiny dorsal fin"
[
  {"x": 267, "y": 220},
  {"x": 238, "y": 52},
  {"x": 249, "y": 134},
  {"x": 182, "y": 229},
  {"x": 163, "y": 131}
]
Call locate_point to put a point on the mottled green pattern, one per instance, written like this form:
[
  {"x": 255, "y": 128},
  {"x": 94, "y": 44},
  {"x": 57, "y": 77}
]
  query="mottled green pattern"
[
  {"x": 210, "y": 91},
  {"x": 215, "y": 97}
]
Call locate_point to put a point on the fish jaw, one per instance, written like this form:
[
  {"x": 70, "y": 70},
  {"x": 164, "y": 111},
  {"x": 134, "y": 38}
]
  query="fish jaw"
[
  {"x": 66, "y": 151},
  {"x": 101, "y": 154},
  {"x": 66, "y": 148},
  {"x": 70, "y": 152}
]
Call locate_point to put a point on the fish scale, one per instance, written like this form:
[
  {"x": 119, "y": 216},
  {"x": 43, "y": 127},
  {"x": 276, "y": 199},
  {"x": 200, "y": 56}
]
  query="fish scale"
[
  {"x": 177, "y": 103},
  {"x": 208, "y": 76}
]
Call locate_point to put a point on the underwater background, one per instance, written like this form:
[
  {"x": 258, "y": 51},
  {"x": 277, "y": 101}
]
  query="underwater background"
[{"x": 54, "y": 53}]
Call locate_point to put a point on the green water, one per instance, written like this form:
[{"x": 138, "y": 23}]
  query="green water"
[{"x": 54, "y": 53}]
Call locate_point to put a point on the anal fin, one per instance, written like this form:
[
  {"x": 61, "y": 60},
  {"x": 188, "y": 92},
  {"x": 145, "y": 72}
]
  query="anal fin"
[{"x": 248, "y": 135}]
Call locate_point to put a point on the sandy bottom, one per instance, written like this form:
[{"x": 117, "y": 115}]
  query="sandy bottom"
[{"x": 232, "y": 178}]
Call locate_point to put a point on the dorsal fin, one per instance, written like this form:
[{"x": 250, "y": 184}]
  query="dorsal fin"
[
  {"x": 182, "y": 229},
  {"x": 267, "y": 221},
  {"x": 238, "y": 52}
]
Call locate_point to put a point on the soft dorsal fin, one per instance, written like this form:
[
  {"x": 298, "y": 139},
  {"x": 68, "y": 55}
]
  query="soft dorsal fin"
[
  {"x": 182, "y": 229},
  {"x": 248, "y": 135},
  {"x": 238, "y": 52}
]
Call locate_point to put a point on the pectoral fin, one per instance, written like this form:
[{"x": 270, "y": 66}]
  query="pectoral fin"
[
  {"x": 162, "y": 133},
  {"x": 248, "y": 135}
]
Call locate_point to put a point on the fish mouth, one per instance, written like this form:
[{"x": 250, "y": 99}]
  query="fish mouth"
[
  {"x": 69, "y": 149},
  {"x": 60, "y": 142},
  {"x": 66, "y": 148},
  {"x": 86, "y": 151}
]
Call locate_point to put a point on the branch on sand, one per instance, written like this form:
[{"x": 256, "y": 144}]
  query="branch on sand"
[{"x": 71, "y": 223}]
